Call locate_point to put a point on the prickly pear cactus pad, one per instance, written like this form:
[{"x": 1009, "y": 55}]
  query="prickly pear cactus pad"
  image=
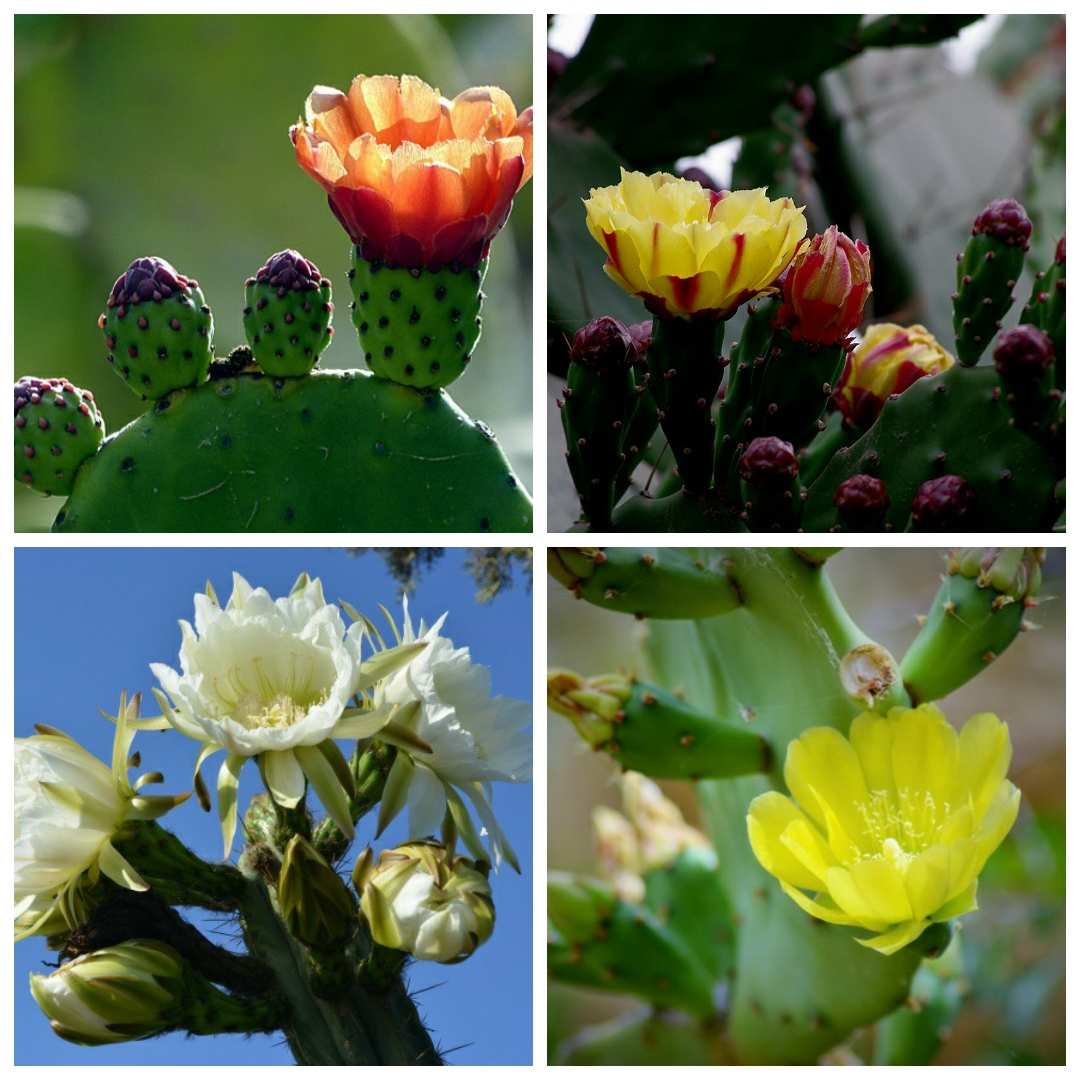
[
  {"x": 57, "y": 427},
  {"x": 417, "y": 327},
  {"x": 287, "y": 314},
  {"x": 334, "y": 451},
  {"x": 158, "y": 330},
  {"x": 261, "y": 439},
  {"x": 282, "y": 924},
  {"x": 849, "y": 817},
  {"x": 790, "y": 294}
]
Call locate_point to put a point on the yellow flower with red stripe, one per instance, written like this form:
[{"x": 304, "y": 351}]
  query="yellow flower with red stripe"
[
  {"x": 687, "y": 250},
  {"x": 889, "y": 829},
  {"x": 416, "y": 180},
  {"x": 888, "y": 360}
]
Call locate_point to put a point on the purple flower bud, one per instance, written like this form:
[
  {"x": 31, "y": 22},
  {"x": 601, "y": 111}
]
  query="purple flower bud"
[
  {"x": 1023, "y": 354},
  {"x": 1006, "y": 220},
  {"x": 701, "y": 177},
  {"x": 1059, "y": 255},
  {"x": 944, "y": 503},
  {"x": 861, "y": 501},
  {"x": 148, "y": 279},
  {"x": 603, "y": 343},
  {"x": 291, "y": 271},
  {"x": 769, "y": 463}
]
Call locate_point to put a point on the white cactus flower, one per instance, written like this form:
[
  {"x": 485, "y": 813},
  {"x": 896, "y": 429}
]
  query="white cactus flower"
[
  {"x": 472, "y": 739},
  {"x": 421, "y": 900},
  {"x": 276, "y": 680},
  {"x": 69, "y": 806}
]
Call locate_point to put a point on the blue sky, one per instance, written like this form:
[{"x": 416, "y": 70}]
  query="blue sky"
[{"x": 89, "y": 621}]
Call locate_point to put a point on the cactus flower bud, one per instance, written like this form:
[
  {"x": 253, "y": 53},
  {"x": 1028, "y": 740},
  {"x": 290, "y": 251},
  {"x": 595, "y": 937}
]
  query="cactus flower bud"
[
  {"x": 1015, "y": 573},
  {"x": 315, "y": 905},
  {"x": 128, "y": 991},
  {"x": 594, "y": 705},
  {"x": 887, "y": 361},
  {"x": 943, "y": 504},
  {"x": 616, "y": 843},
  {"x": 769, "y": 463},
  {"x": 826, "y": 288},
  {"x": 1005, "y": 220},
  {"x": 416, "y": 180},
  {"x": 663, "y": 833},
  {"x": 1023, "y": 355},
  {"x": 871, "y": 676},
  {"x": 889, "y": 828},
  {"x": 418, "y": 899},
  {"x": 686, "y": 250},
  {"x": 861, "y": 502},
  {"x": 603, "y": 343}
]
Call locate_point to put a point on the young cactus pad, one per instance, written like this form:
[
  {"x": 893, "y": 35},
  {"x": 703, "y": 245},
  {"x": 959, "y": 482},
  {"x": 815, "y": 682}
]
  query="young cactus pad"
[
  {"x": 335, "y": 451},
  {"x": 57, "y": 426},
  {"x": 287, "y": 314},
  {"x": 158, "y": 329},
  {"x": 418, "y": 327}
]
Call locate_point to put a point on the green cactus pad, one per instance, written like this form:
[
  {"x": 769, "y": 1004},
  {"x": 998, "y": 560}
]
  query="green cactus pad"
[
  {"x": 958, "y": 423},
  {"x": 967, "y": 628},
  {"x": 656, "y": 583},
  {"x": 647, "y": 1038},
  {"x": 158, "y": 330},
  {"x": 663, "y": 737},
  {"x": 416, "y": 327},
  {"x": 332, "y": 452},
  {"x": 986, "y": 274},
  {"x": 288, "y": 309},
  {"x": 624, "y": 948},
  {"x": 57, "y": 427},
  {"x": 1046, "y": 309}
]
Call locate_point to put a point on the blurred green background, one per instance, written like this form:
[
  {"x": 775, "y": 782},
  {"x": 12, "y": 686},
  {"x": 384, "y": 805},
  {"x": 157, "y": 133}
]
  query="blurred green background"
[
  {"x": 1014, "y": 947},
  {"x": 168, "y": 135}
]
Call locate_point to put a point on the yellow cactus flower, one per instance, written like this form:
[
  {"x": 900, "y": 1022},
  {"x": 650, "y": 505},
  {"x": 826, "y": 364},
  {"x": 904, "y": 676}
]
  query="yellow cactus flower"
[
  {"x": 686, "y": 250},
  {"x": 888, "y": 830},
  {"x": 887, "y": 361}
]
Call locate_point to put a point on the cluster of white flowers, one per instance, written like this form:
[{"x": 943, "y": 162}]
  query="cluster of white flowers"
[{"x": 280, "y": 681}]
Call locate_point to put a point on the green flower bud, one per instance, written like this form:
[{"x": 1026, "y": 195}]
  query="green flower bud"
[
  {"x": 594, "y": 706},
  {"x": 317, "y": 907},
  {"x": 1015, "y": 573},
  {"x": 420, "y": 900},
  {"x": 128, "y": 991}
]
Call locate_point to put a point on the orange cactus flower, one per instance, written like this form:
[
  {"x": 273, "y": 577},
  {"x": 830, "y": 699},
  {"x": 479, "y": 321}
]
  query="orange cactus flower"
[{"x": 416, "y": 180}]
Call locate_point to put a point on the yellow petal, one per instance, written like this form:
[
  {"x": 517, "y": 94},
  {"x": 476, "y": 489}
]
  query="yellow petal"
[
  {"x": 995, "y": 826},
  {"x": 769, "y": 817},
  {"x": 985, "y": 753},
  {"x": 850, "y": 899},
  {"x": 881, "y": 884},
  {"x": 822, "y": 769},
  {"x": 925, "y": 752},
  {"x": 895, "y": 939},
  {"x": 871, "y": 735},
  {"x": 820, "y": 907}
]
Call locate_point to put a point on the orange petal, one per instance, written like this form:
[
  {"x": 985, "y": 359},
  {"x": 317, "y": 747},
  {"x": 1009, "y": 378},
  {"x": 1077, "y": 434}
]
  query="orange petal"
[
  {"x": 396, "y": 111},
  {"x": 426, "y": 197},
  {"x": 329, "y": 117},
  {"x": 482, "y": 112}
]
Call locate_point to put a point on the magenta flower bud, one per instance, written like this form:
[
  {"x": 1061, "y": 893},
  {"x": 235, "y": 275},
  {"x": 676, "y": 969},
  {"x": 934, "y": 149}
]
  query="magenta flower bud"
[
  {"x": 1023, "y": 355},
  {"x": 769, "y": 463},
  {"x": 826, "y": 288},
  {"x": 603, "y": 343},
  {"x": 148, "y": 279},
  {"x": 861, "y": 502},
  {"x": 1059, "y": 254},
  {"x": 1006, "y": 220},
  {"x": 944, "y": 503},
  {"x": 289, "y": 270}
]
